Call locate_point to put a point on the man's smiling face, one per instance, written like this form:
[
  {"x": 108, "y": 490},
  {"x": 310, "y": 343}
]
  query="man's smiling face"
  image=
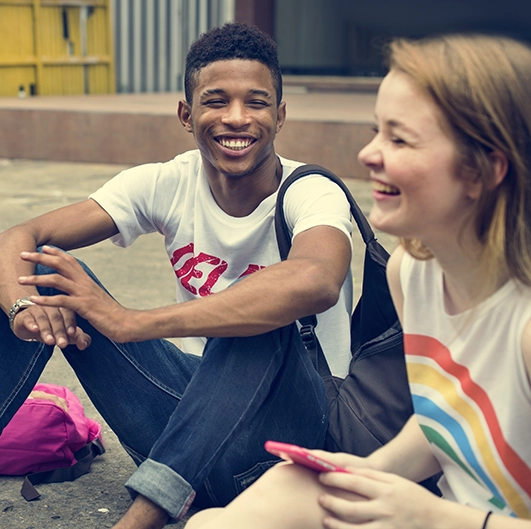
[{"x": 234, "y": 116}]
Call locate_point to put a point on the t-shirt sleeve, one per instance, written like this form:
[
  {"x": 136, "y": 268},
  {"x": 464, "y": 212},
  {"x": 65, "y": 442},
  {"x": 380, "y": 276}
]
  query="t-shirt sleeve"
[
  {"x": 129, "y": 198},
  {"x": 316, "y": 201}
]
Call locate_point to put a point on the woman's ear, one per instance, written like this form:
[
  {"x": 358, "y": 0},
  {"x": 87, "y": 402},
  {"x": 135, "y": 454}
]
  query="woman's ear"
[
  {"x": 184, "y": 113},
  {"x": 500, "y": 166}
]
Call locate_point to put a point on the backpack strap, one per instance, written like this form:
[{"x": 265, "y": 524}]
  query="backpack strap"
[
  {"x": 308, "y": 323},
  {"x": 84, "y": 457},
  {"x": 281, "y": 228}
]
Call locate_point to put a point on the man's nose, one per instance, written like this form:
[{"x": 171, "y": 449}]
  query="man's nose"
[{"x": 236, "y": 114}]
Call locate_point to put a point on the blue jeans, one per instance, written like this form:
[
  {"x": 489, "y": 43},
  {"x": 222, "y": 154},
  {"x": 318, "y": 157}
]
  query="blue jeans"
[{"x": 195, "y": 426}]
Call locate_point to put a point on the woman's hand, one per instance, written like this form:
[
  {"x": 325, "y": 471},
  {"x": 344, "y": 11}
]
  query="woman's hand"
[
  {"x": 342, "y": 459},
  {"x": 390, "y": 501}
]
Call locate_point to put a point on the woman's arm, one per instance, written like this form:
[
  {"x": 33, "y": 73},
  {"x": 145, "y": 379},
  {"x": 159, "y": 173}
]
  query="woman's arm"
[
  {"x": 407, "y": 455},
  {"x": 393, "y": 280},
  {"x": 395, "y": 502}
]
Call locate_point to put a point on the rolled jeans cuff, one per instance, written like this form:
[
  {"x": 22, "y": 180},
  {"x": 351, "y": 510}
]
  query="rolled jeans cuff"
[{"x": 164, "y": 487}]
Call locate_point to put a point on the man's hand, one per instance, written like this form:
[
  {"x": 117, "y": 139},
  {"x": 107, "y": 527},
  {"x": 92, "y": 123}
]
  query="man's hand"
[
  {"x": 84, "y": 297},
  {"x": 51, "y": 326}
]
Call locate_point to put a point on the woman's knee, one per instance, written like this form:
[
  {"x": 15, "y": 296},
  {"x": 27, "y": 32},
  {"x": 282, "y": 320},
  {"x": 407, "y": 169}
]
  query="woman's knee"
[{"x": 203, "y": 517}]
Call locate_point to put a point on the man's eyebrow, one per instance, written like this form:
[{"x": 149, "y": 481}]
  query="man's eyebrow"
[
  {"x": 213, "y": 91},
  {"x": 259, "y": 92},
  {"x": 220, "y": 91}
]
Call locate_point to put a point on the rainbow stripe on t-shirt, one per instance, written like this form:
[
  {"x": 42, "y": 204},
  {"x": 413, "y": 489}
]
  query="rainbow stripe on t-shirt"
[{"x": 458, "y": 416}]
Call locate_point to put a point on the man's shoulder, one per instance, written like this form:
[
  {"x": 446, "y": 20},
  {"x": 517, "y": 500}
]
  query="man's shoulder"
[
  {"x": 186, "y": 164},
  {"x": 163, "y": 176},
  {"x": 311, "y": 185},
  {"x": 192, "y": 157},
  {"x": 189, "y": 161},
  {"x": 181, "y": 165},
  {"x": 288, "y": 166}
]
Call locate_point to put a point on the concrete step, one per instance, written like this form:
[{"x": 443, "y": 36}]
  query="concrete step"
[{"x": 328, "y": 128}]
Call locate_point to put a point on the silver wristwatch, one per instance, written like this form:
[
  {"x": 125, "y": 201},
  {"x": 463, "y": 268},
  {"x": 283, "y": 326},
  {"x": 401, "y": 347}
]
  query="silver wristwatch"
[{"x": 19, "y": 304}]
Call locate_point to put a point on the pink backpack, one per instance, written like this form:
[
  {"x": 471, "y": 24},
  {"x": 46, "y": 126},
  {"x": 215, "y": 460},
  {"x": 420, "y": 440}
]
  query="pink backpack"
[{"x": 47, "y": 443}]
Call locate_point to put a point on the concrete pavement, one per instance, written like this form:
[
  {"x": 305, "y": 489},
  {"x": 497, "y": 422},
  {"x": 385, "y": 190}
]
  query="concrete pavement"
[{"x": 139, "y": 277}]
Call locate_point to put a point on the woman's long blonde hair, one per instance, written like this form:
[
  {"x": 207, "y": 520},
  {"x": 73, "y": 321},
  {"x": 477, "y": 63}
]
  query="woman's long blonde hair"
[{"x": 482, "y": 84}]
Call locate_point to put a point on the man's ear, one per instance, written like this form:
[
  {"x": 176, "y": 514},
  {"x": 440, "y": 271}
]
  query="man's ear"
[
  {"x": 281, "y": 115},
  {"x": 184, "y": 113}
]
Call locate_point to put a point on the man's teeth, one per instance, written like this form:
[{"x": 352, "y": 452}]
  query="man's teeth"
[
  {"x": 235, "y": 144},
  {"x": 385, "y": 188}
]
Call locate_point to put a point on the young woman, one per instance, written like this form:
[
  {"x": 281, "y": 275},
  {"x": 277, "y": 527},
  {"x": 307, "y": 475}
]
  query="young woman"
[{"x": 451, "y": 167}]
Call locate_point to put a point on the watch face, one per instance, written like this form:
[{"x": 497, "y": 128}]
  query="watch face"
[{"x": 19, "y": 304}]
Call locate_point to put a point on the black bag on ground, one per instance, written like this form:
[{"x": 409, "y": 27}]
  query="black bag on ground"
[{"x": 369, "y": 406}]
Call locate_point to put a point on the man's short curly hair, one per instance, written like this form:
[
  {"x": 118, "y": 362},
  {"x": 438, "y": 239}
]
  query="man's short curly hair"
[{"x": 232, "y": 41}]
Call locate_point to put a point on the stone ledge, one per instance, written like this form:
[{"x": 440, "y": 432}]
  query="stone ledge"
[{"x": 328, "y": 129}]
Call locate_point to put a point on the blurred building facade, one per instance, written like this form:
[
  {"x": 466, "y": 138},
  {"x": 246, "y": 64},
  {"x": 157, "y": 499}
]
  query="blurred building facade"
[
  {"x": 102, "y": 46},
  {"x": 316, "y": 38},
  {"x": 55, "y": 47},
  {"x": 151, "y": 38}
]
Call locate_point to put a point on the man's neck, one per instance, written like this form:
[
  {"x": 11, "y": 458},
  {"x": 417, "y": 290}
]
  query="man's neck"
[{"x": 239, "y": 196}]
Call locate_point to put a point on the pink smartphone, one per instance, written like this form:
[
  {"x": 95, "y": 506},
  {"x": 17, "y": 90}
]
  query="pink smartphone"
[{"x": 297, "y": 454}]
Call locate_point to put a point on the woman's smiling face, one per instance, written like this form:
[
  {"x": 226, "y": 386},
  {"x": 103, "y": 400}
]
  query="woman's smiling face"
[{"x": 413, "y": 163}]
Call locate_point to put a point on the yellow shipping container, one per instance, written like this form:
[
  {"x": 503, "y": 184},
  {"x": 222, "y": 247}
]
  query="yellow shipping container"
[{"x": 52, "y": 47}]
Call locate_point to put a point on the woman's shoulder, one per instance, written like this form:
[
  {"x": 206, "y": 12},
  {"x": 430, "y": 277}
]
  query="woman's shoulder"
[{"x": 526, "y": 348}]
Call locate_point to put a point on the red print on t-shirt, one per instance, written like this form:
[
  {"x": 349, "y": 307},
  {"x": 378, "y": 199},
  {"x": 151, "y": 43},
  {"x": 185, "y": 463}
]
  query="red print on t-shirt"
[
  {"x": 188, "y": 270},
  {"x": 251, "y": 269}
]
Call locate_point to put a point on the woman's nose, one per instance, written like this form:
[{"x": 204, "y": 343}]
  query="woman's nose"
[{"x": 370, "y": 155}]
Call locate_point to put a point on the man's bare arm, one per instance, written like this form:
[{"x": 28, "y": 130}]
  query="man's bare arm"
[
  {"x": 308, "y": 282},
  {"x": 70, "y": 227}
]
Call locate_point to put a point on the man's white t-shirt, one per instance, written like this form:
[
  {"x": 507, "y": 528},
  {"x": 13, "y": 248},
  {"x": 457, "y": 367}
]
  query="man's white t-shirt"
[{"x": 210, "y": 250}]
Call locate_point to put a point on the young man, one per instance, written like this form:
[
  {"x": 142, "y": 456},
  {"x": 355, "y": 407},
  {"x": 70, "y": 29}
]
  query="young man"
[{"x": 194, "y": 424}]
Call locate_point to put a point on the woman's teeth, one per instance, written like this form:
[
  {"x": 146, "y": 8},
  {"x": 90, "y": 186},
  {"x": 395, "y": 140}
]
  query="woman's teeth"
[{"x": 385, "y": 188}]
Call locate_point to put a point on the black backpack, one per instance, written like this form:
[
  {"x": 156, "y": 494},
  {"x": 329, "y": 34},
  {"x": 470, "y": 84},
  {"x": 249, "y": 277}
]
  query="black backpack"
[{"x": 369, "y": 406}]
